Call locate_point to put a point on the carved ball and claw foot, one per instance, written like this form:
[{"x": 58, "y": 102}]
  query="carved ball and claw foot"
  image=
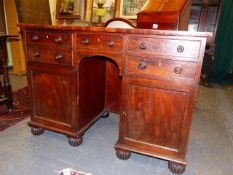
[
  {"x": 105, "y": 115},
  {"x": 123, "y": 154},
  {"x": 75, "y": 141},
  {"x": 37, "y": 131},
  {"x": 176, "y": 168}
]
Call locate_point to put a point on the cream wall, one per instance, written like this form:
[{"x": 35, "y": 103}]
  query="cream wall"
[
  {"x": 52, "y": 4},
  {"x": 8, "y": 44}
]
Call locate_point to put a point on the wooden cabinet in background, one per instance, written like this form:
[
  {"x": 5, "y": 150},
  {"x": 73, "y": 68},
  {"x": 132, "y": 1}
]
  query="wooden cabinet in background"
[
  {"x": 77, "y": 75},
  {"x": 165, "y": 15}
]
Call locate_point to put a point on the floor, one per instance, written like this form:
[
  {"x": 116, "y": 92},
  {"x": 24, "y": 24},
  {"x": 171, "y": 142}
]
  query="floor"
[{"x": 210, "y": 150}]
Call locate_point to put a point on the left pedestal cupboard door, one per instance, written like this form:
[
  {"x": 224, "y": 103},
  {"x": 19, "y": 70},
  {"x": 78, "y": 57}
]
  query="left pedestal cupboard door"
[{"x": 54, "y": 98}]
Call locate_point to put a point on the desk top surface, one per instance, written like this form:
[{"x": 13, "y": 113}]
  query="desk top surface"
[{"x": 207, "y": 35}]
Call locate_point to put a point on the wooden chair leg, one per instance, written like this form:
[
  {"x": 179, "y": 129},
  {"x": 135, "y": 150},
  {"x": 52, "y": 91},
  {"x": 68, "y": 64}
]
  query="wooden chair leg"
[{"x": 209, "y": 67}]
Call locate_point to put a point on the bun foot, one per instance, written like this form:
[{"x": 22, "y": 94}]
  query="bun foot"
[
  {"x": 176, "y": 168},
  {"x": 122, "y": 154},
  {"x": 37, "y": 131},
  {"x": 105, "y": 115},
  {"x": 75, "y": 141}
]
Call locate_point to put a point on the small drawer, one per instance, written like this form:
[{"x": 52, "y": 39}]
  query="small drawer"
[
  {"x": 61, "y": 56},
  {"x": 49, "y": 39},
  {"x": 160, "y": 67},
  {"x": 166, "y": 47},
  {"x": 88, "y": 41},
  {"x": 112, "y": 42}
]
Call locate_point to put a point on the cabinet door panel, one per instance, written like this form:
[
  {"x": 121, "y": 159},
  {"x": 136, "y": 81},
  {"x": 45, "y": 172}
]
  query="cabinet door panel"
[
  {"x": 54, "y": 92},
  {"x": 155, "y": 116}
]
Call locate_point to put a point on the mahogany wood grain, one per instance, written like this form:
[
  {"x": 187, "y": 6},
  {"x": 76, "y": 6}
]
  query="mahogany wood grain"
[
  {"x": 150, "y": 77},
  {"x": 113, "y": 88},
  {"x": 91, "y": 89}
]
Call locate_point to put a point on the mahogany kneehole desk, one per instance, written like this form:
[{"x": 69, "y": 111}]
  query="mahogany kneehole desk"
[{"x": 78, "y": 74}]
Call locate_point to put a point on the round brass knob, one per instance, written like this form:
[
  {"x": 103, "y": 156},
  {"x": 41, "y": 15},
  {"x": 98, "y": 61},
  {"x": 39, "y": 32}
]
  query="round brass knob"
[
  {"x": 180, "y": 49},
  {"x": 110, "y": 43},
  {"x": 178, "y": 70},
  {"x": 35, "y": 38},
  {"x": 142, "y": 66},
  {"x": 36, "y": 54},
  {"x": 58, "y": 39},
  {"x": 85, "y": 41},
  {"x": 142, "y": 45},
  {"x": 59, "y": 57}
]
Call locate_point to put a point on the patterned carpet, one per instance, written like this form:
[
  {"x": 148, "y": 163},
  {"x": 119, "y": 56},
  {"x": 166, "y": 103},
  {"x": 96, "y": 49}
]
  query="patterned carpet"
[{"x": 21, "y": 109}]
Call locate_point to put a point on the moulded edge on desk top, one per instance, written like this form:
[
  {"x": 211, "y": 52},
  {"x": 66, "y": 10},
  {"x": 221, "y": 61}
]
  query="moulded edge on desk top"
[{"x": 207, "y": 35}]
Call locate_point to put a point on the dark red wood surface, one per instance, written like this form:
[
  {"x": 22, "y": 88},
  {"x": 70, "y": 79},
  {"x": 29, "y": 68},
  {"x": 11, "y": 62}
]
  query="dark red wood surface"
[{"x": 150, "y": 77}]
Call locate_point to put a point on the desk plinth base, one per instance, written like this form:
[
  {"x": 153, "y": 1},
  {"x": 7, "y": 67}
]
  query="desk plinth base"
[
  {"x": 74, "y": 138},
  {"x": 123, "y": 152}
]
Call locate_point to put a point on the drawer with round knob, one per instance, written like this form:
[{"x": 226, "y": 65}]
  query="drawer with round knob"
[
  {"x": 112, "y": 42},
  {"x": 61, "y": 56},
  {"x": 164, "y": 46},
  {"x": 160, "y": 67},
  {"x": 88, "y": 41},
  {"x": 103, "y": 42},
  {"x": 49, "y": 39}
]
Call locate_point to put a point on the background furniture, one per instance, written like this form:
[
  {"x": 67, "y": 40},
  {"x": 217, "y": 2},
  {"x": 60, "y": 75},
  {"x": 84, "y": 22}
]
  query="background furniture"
[
  {"x": 5, "y": 87},
  {"x": 165, "y": 15},
  {"x": 153, "y": 86},
  {"x": 33, "y": 11},
  {"x": 205, "y": 24}
]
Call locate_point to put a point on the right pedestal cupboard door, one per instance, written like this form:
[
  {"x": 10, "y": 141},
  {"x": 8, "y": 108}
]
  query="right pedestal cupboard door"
[{"x": 154, "y": 118}]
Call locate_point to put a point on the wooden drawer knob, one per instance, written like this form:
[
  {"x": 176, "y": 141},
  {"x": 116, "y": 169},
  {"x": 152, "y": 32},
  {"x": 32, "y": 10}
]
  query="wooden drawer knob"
[
  {"x": 85, "y": 41},
  {"x": 110, "y": 43},
  {"x": 35, "y": 38},
  {"x": 142, "y": 66},
  {"x": 58, "y": 39},
  {"x": 178, "y": 70},
  {"x": 142, "y": 45},
  {"x": 36, "y": 54},
  {"x": 59, "y": 57},
  {"x": 180, "y": 49}
]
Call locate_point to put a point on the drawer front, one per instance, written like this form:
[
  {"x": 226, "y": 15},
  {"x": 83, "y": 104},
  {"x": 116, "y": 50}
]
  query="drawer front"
[
  {"x": 49, "y": 39},
  {"x": 88, "y": 41},
  {"x": 166, "y": 47},
  {"x": 61, "y": 56},
  {"x": 103, "y": 42},
  {"x": 112, "y": 42},
  {"x": 160, "y": 67}
]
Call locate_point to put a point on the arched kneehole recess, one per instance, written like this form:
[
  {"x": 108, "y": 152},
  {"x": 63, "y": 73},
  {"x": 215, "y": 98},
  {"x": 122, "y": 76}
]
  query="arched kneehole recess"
[{"x": 99, "y": 88}]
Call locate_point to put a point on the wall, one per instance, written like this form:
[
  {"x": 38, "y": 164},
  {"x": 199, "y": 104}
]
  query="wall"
[{"x": 15, "y": 53}]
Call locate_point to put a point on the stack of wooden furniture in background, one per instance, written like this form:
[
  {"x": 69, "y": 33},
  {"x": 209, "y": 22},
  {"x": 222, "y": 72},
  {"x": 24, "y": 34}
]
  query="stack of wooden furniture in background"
[{"x": 5, "y": 87}]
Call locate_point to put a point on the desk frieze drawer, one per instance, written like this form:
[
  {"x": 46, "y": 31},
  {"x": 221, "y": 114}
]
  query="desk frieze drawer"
[
  {"x": 50, "y": 55},
  {"x": 88, "y": 41},
  {"x": 105, "y": 42},
  {"x": 160, "y": 67},
  {"x": 49, "y": 39},
  {"x": 166, "y": 47},
  {"x": 112, "y": 42}
]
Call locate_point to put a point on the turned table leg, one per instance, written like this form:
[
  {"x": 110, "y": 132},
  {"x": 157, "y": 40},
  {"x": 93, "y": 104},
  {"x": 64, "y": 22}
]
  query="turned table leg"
[
  {"x": 176, "y": 168},
  {"x": 75, "y": 141},
  {"x": 37, "y": 131},
  {"x": 123, "y": 154}
]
